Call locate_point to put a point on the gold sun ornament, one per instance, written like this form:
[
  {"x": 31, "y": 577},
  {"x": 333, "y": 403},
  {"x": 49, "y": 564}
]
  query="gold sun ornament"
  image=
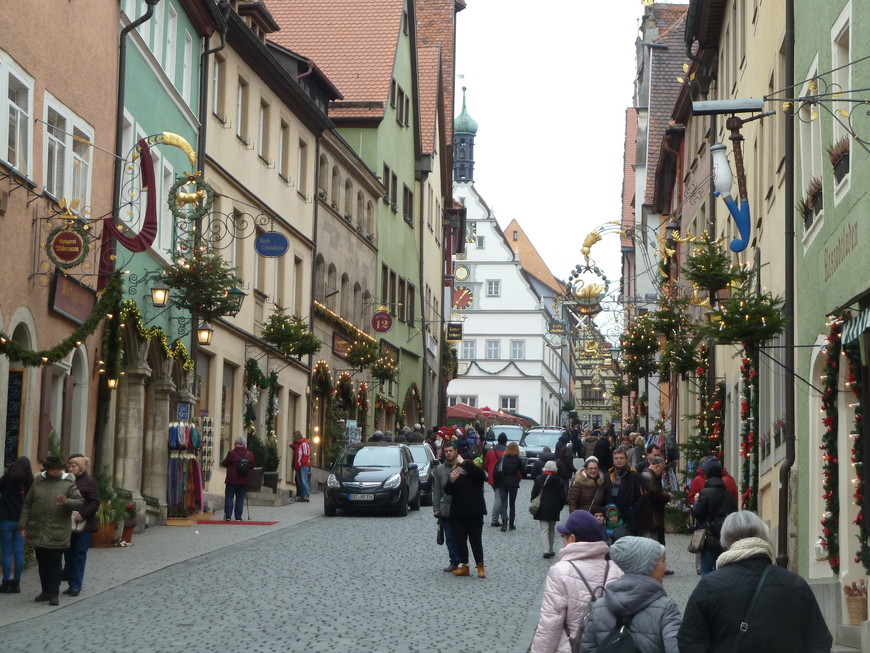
[{"x": 688, "y": 77}]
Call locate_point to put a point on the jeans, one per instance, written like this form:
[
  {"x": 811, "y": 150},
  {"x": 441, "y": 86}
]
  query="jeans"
[
  {"x": 50, "y": 561},
  {"x": 11, "y": 544},
  {"x": 450, "y": 540},
  {"x": 469, "y": 530},
  {"x": 508, "y": 497},
  {"x": 708, "y": 560},
  {"x": 239, "y": 492},
  {"x": 302, "y": 488},
  {"x": 548, "y": 535},
  {"x": 74, "y": 559},
  {"x": 496, "y": 505}
]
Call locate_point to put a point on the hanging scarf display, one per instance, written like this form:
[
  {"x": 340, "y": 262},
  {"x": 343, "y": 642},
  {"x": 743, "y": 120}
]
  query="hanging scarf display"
[{"x": 184, "y": 485}]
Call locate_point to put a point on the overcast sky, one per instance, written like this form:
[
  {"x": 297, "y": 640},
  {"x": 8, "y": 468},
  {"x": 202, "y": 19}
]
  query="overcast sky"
[{"x": 548, "y": 83}]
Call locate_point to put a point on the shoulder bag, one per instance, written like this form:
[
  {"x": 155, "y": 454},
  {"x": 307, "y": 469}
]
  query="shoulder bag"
[
  {"x": 699, "y": 538},
  {"x": 535, "y": 505},
  {"x": 744, "y": 625}
]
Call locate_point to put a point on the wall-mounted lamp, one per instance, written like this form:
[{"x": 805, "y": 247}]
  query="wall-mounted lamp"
[
  {"x": 204, "y": 334},
  {"x": 159, "y": 295},
  {"x": 238, "y": 297},
  {"x": 614, "y": 354},
  {"x": 112, "y": 383}
]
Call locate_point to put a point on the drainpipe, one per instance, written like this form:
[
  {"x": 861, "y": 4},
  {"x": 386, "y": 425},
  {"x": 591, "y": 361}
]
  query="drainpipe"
[
  {"x": 323, "y": 464},
  {"x": 788, "y": 306},
  {"x": 424, "y": 381}
]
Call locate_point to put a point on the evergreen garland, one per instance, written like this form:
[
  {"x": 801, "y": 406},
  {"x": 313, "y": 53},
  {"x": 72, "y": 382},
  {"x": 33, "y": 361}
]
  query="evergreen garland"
[
  {"x": 362, "y": 398},
  {"x": 289, "y": 334},
  {"x": 384, "y": 369},
  {"x": 748, "y": 439},
  {"x": 709, "y": 265},
  {"x": 105, "y": 307},
  {"x": 344, "y": 394},
  {"x": 202, "y": 281},
  {"x": 130, "y": 315},
  {"x": 830, "y": 462},
  {"x": 853, "y": 354},
  {"x": 265, "y": 453},
  {"x": 321, "y": 378},
  {"x": 413, "y": 392},
  {"x": 362, "y": 353}
]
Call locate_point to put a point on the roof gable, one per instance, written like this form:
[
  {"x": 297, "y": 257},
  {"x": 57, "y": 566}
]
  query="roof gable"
[{"x": 530, "y": 260}]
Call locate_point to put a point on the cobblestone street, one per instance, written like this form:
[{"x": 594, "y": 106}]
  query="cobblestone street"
[{"x": 308, "y": 583}]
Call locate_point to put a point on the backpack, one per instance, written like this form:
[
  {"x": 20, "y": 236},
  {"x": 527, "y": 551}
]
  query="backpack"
[
  {"x": 620, "y": 639},
  {"x": 498, "y": 472},
  {"x": 594, "y": 595},
  {"x": 244, "y": 466}
]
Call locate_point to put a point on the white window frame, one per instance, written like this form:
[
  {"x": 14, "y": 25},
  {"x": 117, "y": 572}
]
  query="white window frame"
[
  {"x": 468, "y": 400},
  {"x": 263, "y": 130},
  {"x": 284, "y": 149},
  {"x": 73, "y": 124},
  {"x": 302, "y": 167},
  {"x": 492, "y": 347},
  {"x": 242, "y": 101},
  {"x": 493, "y": 287},
  {"x": 469, "y": 350},
  {"x": 165, "y": 221},
  {"x": 506, "y": 402},
  {"x": 218, "y": 86},
  {"x": 171, "y": 44},
  {"x": 187, "y": 67},
  {"x": 157, "y": 49},
  {"x": 9, "y": 67},
  {"x": 518, "y": 350}
]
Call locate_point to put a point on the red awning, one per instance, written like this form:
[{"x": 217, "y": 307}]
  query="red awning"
[{"x": 463, "y": 411}]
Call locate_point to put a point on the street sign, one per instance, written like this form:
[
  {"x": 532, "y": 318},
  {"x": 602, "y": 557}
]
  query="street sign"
[
  {"x": 454, "y": 331},
  {"x": 382, "y": 321},
  {"x": 271, "y": 244},
  {"x": 486, "y": 411}
]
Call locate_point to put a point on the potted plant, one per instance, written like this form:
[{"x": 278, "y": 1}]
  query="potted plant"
[
  {"x": 811, "y": 204},
  {"x": 131, "y": 521},
  {"x": 838, "y": 153},
  {"x": 266, "y": 456},
  {"x": 111, "y": 511}
]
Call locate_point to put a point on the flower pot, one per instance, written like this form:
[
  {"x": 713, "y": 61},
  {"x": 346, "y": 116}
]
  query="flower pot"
[
  {"x": 104, "y": 536},
  {"x": 841, "y": 167},
  {"x": 127, "y": 534},
  {"x": 817, "y": 204},
  {"x": 270, "y": 479}
]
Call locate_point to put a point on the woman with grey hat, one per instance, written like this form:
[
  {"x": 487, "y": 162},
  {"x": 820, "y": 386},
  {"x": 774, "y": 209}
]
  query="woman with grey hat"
[
  {"x": 46, "y": 522},
  {"x": 554, "y": 496},
  {"x": 636, "y": 605},
  {"x": 719, "y": 617},
  {"x": 576, "y": 580}
]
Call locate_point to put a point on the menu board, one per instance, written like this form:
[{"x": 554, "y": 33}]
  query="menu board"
[{"x": 13, "y": 415}]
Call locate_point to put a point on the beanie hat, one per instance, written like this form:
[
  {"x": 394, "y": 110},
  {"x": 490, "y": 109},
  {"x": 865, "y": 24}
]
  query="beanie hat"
[
  {"x": 52, "y": 462},
  {"x": 583, "y": 526},
  {"x": 636, "y": 555},
  {"x": 711, "y": 467},
  {"x": 82, "y": 461},
  {"x": 550, "y": 466},
  {"x": 502, "y": 438}
]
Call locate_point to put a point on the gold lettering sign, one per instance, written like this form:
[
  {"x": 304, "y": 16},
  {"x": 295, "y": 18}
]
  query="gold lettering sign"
[{"x": 67, "y": 247}]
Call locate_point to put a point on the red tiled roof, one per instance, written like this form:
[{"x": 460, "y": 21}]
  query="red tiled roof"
[
  {"x": 530, "y": 260},
  {"x": 628, "y": 175},
  {"x": 428, "y": 71},
  {"x": 352, "y": 42}
]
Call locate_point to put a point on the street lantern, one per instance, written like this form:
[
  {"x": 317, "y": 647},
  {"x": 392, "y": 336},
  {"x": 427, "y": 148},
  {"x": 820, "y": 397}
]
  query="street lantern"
[
  {"x": 204, "y": 333},
  {"x": 159, "y": 294},
  {"x": 614, "y": 354},
  {"x": 238, "y": 297}
]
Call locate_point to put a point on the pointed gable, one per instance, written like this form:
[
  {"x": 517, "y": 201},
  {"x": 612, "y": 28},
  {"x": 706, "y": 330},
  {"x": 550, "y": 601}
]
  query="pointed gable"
[
  {"x": 353, "y": 43},
  {"x": 530, "y": 260}
]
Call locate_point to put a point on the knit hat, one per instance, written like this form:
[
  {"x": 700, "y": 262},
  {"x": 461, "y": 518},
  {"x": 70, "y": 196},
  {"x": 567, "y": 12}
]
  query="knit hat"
[
  {"x": 502, "y": 438},
  {"x": 82, "y": 461},
  {"x": 711, "y": 467},
  {"x": 52, "y": 462},
  {"x": 583, "y": 526},
  {"x": 636, "y": 555},
  {"x": 550, "y": 466},
  {"x": 418, "y": 427},
  {"x": 563, "y": 438}
]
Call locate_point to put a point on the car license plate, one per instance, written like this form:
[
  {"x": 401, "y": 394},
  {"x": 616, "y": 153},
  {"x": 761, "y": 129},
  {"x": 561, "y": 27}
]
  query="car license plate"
[{"x": 361, "y": 497}]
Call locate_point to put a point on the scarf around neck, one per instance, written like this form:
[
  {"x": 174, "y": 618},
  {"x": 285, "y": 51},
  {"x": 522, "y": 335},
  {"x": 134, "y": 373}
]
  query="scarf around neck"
[{"x": 745, "y": 548}]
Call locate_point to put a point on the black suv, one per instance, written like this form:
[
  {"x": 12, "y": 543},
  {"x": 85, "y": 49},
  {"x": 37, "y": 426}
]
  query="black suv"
[{"x": 535, "y": 439}]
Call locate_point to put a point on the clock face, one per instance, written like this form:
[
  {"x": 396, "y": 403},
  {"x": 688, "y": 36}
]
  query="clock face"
[
  {"x": 462, "y": 297},
  {"x": 460, "y": 273}
]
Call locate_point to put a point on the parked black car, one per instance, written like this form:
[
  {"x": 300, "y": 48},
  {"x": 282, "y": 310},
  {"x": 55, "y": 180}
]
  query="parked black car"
[
  {"x": 534, "y": 441},
  {"x": 373, "y": 475},
  {"x": 426, "y": 461}
]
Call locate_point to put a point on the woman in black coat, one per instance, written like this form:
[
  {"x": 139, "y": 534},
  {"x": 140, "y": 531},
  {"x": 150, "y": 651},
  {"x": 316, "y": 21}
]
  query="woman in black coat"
[
  {"x": 786, "y": 617},
  {"x": 467, "y": 509},
  {"x": 14, "y": 485},
  {"x": 508, "y": 472},
  {"x": 76, "y": 556},
  {"x": 554, "y": 496},
  {"x": 713, "y": 505}
]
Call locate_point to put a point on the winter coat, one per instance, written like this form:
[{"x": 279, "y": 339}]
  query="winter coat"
[
  {"x": 720, "y": 600},
  {"x": 700, "y": 481},
  {"x": 586, "y": 492},
  {"x": 48, "y": 525},
  {"x": 604, "y": 452},
  {"x": 627, "y": 495},
  {"x": 467, "y": 491},
  {"x": 553, "y": 497},
  {"x": 542, "y": 460},
  {"x": 440, "y": 499},
  {"x": 231, "y": 462},
  {"x": 12, "y": 496},
  {"x": 566, "y": 598},
  {"x": 714, "y": 504},
  {"x": 511, "y": 472},
  {"x": 589, "y": 445},
  {"x": 91, "y": 495},
  {"x": 490, "y": 460},
  {"x": 649, "y": 511},
  {"x": 656, "y": 619}
]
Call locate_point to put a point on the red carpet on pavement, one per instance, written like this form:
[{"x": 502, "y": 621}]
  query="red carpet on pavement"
[{"x": 221, "y": 522}]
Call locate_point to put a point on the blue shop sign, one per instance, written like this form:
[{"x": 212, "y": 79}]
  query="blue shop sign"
[{"x": 271, "y": 244}]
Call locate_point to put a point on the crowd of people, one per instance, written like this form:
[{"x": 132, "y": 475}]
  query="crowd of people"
[{"x": 606, "y": 582}]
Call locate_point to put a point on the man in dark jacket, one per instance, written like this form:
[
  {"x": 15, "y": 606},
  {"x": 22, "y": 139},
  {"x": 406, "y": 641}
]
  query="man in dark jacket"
[
  {"x": 650, "y": 508},
  {"x": 623, "y": 487},
  {"x": 604, "y": 451}
]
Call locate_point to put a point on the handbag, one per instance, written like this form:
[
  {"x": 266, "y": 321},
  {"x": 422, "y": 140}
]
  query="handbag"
[
  {"x": 77, "y": 526},
  {"x": 699, "y": 538},
  {"x": 535, "y": 505}
]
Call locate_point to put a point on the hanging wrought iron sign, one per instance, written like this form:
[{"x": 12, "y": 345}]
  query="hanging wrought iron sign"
[
  {"x": 271, "y": 244},
  {"x": 382, "y": 321},
  {"x": 67, "y": 246}
]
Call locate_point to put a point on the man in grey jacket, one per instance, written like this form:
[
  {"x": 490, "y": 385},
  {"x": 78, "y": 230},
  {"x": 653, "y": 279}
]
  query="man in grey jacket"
[{"x": 441, "y": 501}]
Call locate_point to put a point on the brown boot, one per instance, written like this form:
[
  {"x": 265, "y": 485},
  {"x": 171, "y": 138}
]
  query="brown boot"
[
  {"x": 481, "y": 572},
  {"x": 462, "y": 570}
]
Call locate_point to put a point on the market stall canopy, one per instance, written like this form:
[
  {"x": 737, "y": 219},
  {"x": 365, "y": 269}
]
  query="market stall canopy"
[{"x": 463, "y": 411}]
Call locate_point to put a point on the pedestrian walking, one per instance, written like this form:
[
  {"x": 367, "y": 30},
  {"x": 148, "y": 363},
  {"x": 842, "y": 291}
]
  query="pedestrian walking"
[
  {"x": 76, "y": 556},
  {"x": 590, "y": 439},
  {"x": 467, "y": 510},
  {"x": 587, "y": 490},
  {"x": 509, "y": 473},
  {"x": 748, "y": 588},
  {"x": 302, "y": 465},
  {"x": 623, "y": 487},
  {"x": 637, "y": 601},
  {"x": 441, "y": 503},
  {"x": 604, "y": 450},
  {"x": 574, "y": 582},
  {"x": 46, "y": 525},
  {"x": 713, "y": 505},
  {"x": 239, "y": 463},
  {"x": 490, "y": 461},
  {"x": 14, "y": 485},
  {"x": 553, "y": 499},
  {"x": 614, "y": 527},
  {"x": 650, "y": 508}
]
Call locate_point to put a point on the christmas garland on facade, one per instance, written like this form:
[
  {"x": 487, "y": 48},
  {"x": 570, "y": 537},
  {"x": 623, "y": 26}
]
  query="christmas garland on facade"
[
  {"x": 105, "y": 307},
  {"x": 414, "y": 393},
  {"x": 830, "y": 462},
  {"x": 344, "y": 394},
  {"x": 255, "y": 383},
  {"x": 382, "y": 403},
  {"x": 130, "y": 315},
  {"x": 748, "y": 439},
  {"x": 362, "y": 398},
  {"x": 853, "y": 354},
  {"x": 321, "y": 378}
]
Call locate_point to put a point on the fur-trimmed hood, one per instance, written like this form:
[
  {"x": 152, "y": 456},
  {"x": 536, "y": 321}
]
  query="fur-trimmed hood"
[{"x": 581, "y": 479}]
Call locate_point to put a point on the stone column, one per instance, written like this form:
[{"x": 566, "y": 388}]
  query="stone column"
[
  {"x": 156, "y": 452},
  {"x": 129, "y": 439}
]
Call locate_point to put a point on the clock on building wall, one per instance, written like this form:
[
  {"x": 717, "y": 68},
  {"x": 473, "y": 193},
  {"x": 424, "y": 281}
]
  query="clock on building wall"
[
  {"x": 460, "y": 273},
  {"x": 462, "y": 297},
  {"x": 470, "y": 232}
]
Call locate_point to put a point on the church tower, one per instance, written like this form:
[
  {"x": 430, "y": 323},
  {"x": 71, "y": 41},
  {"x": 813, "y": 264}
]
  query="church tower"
[{"x": 464, "y": 131}]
